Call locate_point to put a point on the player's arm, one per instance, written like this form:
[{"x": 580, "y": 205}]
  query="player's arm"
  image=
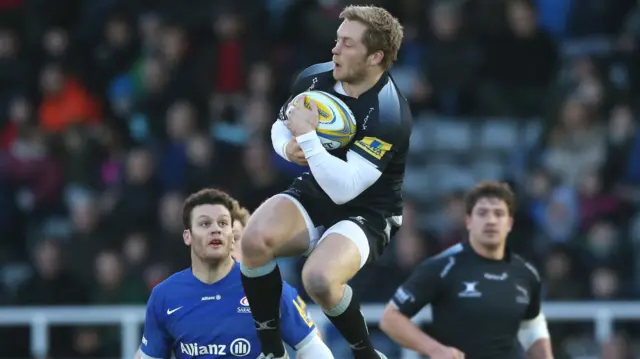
[
  {"x": 422, "y": 288},
  {"x": 155, "y": 341},
  {"x": 298, "y": 328},
  {"x": 280, "y": 137},
  {"x": 280, "y": 134},
  {"x": 534, "y": 333},
  {"x": 367, "y": 158}
]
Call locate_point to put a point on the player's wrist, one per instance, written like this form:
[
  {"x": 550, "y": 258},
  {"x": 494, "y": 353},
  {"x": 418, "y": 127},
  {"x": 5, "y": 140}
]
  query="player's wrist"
[
  {"x": 310, "y": 144},
  {"x": 306, "y": 136}
]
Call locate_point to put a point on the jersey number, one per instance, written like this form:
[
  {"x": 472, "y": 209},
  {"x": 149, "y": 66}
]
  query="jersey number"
[{"x": 302, "y": 310}]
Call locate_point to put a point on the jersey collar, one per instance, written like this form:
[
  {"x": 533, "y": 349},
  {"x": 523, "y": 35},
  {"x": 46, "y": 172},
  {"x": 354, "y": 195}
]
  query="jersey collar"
[
  {"x": 375, "y": 89},
  {"x": 233, "y": 274},
  {"x": 507, "y": 253}
]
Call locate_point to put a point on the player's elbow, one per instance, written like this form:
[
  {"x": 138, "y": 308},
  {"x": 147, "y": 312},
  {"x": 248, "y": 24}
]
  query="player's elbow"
[
  {"x": 390, "y": 318},
  {"x": 340, "y": 198},
  {"x": 280, "y": 135},
  {"x": 352, "y": 189},
  {"x": 343, "y": 191},
  {"x": 386, "y": 319},
  {"x": 357, "y": 180}
]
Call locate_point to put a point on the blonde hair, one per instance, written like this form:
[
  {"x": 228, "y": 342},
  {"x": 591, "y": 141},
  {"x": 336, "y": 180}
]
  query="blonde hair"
[
  {"x": 384, "y": 32},
  {"x": 242, "y": 214},
  {"x": 239, "y": 213}
]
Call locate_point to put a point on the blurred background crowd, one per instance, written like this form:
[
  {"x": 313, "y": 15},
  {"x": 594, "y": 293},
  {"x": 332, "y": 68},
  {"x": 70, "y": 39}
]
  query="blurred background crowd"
[{"x": 112, "y": 111}]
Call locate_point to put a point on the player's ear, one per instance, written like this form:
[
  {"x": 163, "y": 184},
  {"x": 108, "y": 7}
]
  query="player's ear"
[
  {"x": 467, "y": 221},
  {"x": 186, "y": 237},
  {"x": 376, "y": 58}
]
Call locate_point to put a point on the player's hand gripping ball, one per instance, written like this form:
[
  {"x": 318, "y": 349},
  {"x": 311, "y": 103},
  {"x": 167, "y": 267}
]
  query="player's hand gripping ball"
[
  {"x": 302, "y": 115},
  {"x": 329, "y": 116},
  {"x": 295, "y": 153}
]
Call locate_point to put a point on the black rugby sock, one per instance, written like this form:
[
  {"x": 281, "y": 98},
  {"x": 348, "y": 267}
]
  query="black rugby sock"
[
  {"x": 263, "y": 287},
  {"x": 348, "y": 319}
]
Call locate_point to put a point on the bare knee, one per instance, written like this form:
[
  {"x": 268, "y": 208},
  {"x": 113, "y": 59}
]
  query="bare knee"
[
  {"x": 257, "y": 244},
  {"x": 267, "y": 232},
  {"x": 318, "y": 283},
  {"x": 276, "y": 229}
]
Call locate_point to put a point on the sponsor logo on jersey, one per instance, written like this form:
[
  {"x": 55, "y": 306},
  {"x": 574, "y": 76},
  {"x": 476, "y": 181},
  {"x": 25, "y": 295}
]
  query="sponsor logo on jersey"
[
  {"x": 244, "y": 308},
  {"x": 240, "y": 347},
  {"x": 374, "y": 147},
  {"x": 213, "y": 297},
  {"x": 470, "y": 290},
  {"x": 195, "y": 349},
  {"x": 171, "y": 311},
  {"x": 491, "y": 276},
  {"x": 403, "y": 296}
]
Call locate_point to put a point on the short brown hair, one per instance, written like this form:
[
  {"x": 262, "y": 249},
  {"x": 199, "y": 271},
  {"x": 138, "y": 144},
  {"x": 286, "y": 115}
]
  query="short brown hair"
[
  {"x": 490, "y": 189},
  {"x": 242, "y": 214},
  {"x": 206, "y": 196},
  {"x": 384, "y": 32}
]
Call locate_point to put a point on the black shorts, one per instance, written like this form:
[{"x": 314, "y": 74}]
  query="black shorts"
[{"x": 324, "y": 214}]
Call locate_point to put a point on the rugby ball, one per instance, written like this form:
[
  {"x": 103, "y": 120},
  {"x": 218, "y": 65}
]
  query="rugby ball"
[{"x": 336, "y": 122}]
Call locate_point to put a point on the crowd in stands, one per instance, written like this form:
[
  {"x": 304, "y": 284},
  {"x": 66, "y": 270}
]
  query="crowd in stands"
[{"x": 112, "y": 111}]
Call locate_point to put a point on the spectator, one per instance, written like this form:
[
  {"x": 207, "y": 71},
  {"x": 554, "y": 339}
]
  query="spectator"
[{"x": 111, "y": 112}]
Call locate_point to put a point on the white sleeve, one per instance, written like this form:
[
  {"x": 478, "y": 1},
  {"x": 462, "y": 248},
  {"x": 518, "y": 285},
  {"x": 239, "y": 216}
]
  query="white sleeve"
[
  {"x": 280, "y": 136},
  {"x": 313, "y": 348},
  {"x": 341, "y": 181},
  {"x": 532, "y": 330}
]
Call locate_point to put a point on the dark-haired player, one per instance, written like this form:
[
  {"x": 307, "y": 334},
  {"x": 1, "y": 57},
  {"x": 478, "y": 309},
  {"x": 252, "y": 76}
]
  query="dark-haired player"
[
  {"x": 202, "y": 311},
  {"x": 484, "y": 298},
  {"x": 343, "y": 212}
]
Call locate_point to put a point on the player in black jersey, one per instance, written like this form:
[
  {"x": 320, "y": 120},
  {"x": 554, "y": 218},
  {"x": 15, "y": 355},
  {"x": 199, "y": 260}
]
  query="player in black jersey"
[
  {"x": 344, "y": 211},
  {"x": 484, "y": 298}
]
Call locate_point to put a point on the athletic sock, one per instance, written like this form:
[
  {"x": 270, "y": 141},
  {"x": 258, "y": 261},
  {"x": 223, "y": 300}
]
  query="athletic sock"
[
  {"x": 348, "y": 319},
  {"x": 263, "y": 287}
]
